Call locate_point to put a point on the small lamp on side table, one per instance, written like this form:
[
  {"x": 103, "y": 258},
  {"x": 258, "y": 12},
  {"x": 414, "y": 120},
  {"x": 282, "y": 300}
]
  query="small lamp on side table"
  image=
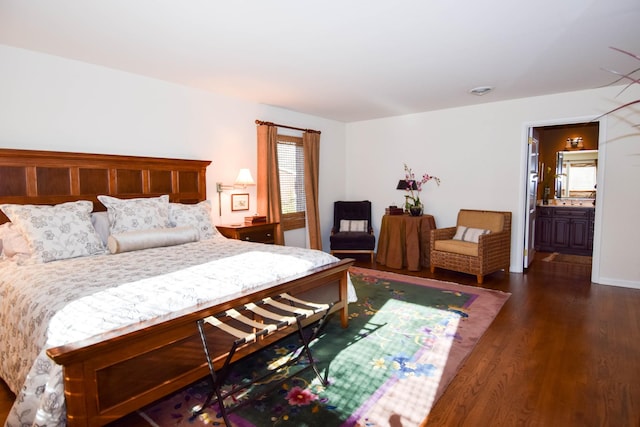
[{"x": 403, "y": 184}]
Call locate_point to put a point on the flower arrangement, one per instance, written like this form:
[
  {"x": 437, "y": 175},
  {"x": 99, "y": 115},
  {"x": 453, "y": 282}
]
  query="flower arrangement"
[
  {"x": 548, "y": 184},
  {"x": 414, "y": 187},
  {"x": 549, "y": 178}
]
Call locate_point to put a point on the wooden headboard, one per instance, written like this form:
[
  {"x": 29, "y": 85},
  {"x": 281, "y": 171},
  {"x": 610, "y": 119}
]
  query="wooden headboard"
[{"x": 50, "y": 177}]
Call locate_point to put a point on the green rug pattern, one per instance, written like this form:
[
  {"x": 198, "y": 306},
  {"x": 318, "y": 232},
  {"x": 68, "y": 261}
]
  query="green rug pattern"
[{"x": 406, "y": 339}]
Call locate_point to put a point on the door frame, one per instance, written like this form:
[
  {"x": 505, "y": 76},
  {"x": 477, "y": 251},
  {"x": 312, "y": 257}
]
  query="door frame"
[
  {"x": 524, "y": 211},
  {"x": 533, "y": 161}
]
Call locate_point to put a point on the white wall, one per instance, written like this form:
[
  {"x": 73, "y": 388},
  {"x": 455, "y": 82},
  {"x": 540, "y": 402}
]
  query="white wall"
[
  {"x": 50, "y": 103},
  {"x": 479, "y": 153}
]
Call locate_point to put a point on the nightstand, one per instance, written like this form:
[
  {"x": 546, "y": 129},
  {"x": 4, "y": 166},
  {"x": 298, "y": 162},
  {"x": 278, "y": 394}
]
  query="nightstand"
[{"x": 260, "y": 233}]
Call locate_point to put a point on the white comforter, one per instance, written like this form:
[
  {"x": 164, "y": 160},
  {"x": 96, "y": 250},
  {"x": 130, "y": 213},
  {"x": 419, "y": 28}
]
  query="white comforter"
[{"x": 51, "y": 304}]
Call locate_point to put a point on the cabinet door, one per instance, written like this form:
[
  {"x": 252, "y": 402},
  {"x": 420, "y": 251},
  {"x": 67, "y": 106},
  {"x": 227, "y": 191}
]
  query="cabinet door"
[
  {"x": 561, "y": 232},
  {"x": 590, "y": 233},
  {"x": 544, "y": 232},
  {"x": 579, "y": 235}
]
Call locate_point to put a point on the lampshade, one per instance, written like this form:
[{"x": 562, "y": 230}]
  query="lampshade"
[
  {"x": 403, "y": 184},
  {"x": 244, "y": 178}
]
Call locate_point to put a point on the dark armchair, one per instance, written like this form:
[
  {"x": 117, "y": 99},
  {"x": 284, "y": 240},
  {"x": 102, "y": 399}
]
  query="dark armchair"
[{"x": 352, "y": 231}]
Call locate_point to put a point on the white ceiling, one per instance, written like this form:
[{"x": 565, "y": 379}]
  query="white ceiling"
[{"x": 344, "y": 60}]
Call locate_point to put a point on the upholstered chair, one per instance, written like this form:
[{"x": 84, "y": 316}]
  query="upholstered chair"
[
  {"x": 352, "y": 231},
  {"x": 479, "y": 244}
]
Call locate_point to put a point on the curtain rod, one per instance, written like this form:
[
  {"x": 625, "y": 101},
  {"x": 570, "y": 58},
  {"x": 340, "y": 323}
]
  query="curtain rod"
[{"x": 260, "y": 122}]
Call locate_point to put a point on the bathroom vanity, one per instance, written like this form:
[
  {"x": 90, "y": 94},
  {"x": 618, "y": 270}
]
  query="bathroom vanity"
[{"x": 566, "y": 229}]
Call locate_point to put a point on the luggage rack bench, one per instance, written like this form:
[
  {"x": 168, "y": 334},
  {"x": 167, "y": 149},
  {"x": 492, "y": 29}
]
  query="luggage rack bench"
[{"x": 253, "y": 322}]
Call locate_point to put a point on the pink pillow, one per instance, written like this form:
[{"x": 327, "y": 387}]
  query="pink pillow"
[{"x": 12, "y": 242}]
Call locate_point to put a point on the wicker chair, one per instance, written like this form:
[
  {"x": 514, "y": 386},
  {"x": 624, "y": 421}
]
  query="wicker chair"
[{"x": 491, "y": 253}]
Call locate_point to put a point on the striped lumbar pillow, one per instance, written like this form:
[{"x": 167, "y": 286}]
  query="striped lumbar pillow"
[
  {"x": 353, "y": 225},
  {"x": 468, "y": 234}
]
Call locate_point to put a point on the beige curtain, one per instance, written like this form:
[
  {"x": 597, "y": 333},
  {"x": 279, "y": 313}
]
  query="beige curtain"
[
  {"x": 269, "y": 179},
  {"x": 311, "y": 146}
]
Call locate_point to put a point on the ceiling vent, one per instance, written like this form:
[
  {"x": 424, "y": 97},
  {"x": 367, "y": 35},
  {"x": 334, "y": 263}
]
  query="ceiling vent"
[{"x": 481, "y": 90}]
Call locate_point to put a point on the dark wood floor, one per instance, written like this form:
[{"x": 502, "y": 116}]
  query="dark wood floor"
[{"x": 562, "y": 352}]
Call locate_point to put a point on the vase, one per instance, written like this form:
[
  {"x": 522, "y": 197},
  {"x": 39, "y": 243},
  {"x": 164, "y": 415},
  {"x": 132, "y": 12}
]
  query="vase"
[
  {"x": 545, "y": 195},
  {"x": 415, "y": 210}
]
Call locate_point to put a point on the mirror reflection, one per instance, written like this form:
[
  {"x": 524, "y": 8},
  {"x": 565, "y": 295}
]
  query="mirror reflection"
[{"x": 576, "y": 174}]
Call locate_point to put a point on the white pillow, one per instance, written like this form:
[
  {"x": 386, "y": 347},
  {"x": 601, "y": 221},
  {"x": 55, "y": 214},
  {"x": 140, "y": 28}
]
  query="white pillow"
[
  {"x": 56, "y": 232},
  {"x": 354, "y": 225},
  {"x": 136, "y": 214},
  {"x": 145, "y": 239},
  {"x": 468, "y": 234},
  {"x": 197, "y": 216},
  {"x": 12, "y": 243}
]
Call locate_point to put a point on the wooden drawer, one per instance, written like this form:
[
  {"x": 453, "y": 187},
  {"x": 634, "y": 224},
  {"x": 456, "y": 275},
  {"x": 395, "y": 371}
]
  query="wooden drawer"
[
  {"x": 258, "y": 233},
  {"x": 573, "y": 212},
  {"x": 544, "y": 211},
  {"x": 261, "y": 235}
]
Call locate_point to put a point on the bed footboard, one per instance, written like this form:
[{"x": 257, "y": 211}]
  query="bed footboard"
[{"x": 111, "y": 375}]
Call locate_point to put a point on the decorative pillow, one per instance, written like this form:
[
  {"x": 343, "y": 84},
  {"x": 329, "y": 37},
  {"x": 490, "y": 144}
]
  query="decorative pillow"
[
  {"x": 12, "y": 242},
  {"x": 100, "y": 221},
  {"x": 468, "y": 234},
  {"x": 197, "y": 216},
  {"x": 56, "y": 232},
  {"x": 354, "y": 225},
  {"x": 136, "y": 214},
  {"x": 145, "y": 239}
]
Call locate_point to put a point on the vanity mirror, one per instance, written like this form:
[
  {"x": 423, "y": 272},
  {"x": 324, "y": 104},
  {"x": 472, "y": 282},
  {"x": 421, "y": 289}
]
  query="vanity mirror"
[{"x": 576, "y": 174}]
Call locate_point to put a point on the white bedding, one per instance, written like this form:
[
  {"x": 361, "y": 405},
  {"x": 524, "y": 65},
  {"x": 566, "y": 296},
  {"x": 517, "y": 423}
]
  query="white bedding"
[{"x": 47, "y": 305}]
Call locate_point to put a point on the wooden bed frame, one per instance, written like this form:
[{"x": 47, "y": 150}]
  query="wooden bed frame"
[{"x": 111, "y": 375}]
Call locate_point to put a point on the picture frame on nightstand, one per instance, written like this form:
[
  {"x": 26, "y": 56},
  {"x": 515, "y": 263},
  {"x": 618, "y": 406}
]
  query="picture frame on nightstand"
[{"x": 240, "y": 202}]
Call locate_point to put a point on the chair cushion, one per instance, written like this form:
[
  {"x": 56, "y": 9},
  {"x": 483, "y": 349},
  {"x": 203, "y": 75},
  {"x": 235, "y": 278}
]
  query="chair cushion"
[
  {"x": 468, "y": 234},
  {"x": 352, "y": 240},
  {"x": 493, "y": 221},
  {"x": 354, "y": 225},
  {"x": 457, "y": 247}
]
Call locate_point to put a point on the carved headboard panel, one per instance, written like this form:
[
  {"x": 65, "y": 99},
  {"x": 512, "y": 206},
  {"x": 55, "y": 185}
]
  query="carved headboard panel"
[{"x": 50, "y": 177}]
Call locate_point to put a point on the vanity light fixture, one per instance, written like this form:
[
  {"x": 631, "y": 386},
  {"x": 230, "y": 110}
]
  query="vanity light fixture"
[
  {"x": 574, "y": 143},
  {"x": 243, "y": 180}
]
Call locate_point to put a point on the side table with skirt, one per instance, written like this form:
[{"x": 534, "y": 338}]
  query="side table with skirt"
[{"x": 404, "y": 241}]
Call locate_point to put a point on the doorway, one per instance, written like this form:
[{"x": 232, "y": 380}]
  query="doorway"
[{"x": 556, "y": 141}]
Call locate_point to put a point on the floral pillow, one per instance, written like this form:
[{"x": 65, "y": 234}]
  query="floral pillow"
[
  {"x": 197, "y": 216},
  {"x": 136, "y": 214},
  {"x": 56, "y": 232}
]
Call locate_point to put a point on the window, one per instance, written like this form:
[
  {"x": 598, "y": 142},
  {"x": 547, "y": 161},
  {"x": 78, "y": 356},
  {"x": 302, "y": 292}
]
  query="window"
[
  {"x": 581, "y": 180},
  {"x": 291, "y": 171}
]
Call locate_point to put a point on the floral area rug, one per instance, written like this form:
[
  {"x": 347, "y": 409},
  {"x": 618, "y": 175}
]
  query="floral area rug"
[{"x": 407, "y": 338}]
